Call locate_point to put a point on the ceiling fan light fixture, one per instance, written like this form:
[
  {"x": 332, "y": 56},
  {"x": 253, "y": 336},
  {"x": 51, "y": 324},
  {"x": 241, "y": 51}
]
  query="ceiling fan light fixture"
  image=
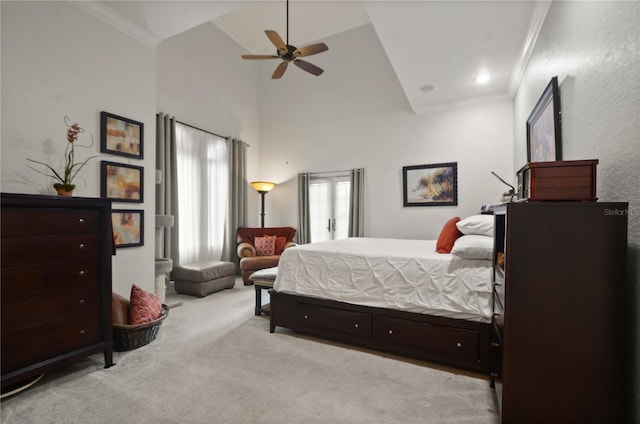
[{"x": 289, "y": 53}]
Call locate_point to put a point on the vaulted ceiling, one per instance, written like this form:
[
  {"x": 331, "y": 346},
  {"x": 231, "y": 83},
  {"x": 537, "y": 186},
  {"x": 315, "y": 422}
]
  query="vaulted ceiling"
[{"x": 436, "y": 48}]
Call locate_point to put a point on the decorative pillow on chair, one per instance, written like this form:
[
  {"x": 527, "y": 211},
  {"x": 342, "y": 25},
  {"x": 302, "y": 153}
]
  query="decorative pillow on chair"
[
  {"x": 145, "y": 307},
  {"x": 281, "y": 242},
  {"x": 265, "y": 246},
  {"x": 448, "y": 236}
]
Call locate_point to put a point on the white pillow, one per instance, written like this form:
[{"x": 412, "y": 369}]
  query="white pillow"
[
  {"x": 473, "y": 247},
  {"x": 481, "y": 225}
]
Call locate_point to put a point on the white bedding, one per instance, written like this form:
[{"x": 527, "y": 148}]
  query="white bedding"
[{"x": 405, "y": 275}]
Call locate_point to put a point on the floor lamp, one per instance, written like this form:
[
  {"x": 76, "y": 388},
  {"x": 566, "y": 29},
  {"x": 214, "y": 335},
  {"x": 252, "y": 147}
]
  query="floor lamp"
[{"x": 263, "y": 188}]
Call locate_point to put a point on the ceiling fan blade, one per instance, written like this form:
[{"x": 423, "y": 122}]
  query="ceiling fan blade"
[
  {"x": 259, "y": 56},
  {"x": 276, "y": 40},
  {"x": 279, "y": 72},
  {"x": 312, "y": 49},
  {"x": 309, "y": 67}
]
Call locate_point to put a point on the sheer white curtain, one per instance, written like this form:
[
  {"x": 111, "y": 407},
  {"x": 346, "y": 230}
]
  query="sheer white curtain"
[{"x": 203, "y": 194}]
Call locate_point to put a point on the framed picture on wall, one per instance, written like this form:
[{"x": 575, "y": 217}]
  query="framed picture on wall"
[
  {"x": 544, "y": 136},
  {"x": 121, "y": 182},
  {"x": 121, "y": 136},
  {"x": 430, "y": 185},
  {"x": 128, "y": 227}
]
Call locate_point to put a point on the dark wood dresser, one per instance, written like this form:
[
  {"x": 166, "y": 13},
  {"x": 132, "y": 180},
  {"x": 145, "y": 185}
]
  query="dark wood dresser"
[
  {"x": 55, "y": 283},
  {"x": 559, "y": 336}
]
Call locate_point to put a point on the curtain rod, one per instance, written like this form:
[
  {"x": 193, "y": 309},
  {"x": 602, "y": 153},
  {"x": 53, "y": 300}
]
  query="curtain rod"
[
  {"x": 330, "y": 172},
  {"x": 200, "y": 129}
]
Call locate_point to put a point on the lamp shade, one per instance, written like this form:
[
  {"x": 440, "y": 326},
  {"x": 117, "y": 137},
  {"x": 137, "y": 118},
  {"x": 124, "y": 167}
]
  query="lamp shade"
[{"x": 262, "y": 186}]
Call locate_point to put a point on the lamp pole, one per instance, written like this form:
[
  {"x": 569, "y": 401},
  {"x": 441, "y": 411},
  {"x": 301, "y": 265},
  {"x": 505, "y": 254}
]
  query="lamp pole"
[{"x": 262, "y": 193}]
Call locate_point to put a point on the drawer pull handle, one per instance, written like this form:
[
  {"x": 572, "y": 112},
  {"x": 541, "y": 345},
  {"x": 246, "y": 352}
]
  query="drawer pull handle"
[
  {"x": 459, "y": 344},
  {"x": 81, "y": 246},
  {"x": 356, "y": 325},
  {"x": 81, "y": 273},
  {"x": 82, "y": 332},
  {"x": 81, "y": 221},
  {"x": 82, "y": 301},
  {"x": 306, "y": 316},
  {"x": 390, "y": 331}
]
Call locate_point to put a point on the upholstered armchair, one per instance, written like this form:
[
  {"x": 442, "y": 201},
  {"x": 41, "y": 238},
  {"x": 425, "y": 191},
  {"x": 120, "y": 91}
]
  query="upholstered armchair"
[{"x": 260, "y": 248}]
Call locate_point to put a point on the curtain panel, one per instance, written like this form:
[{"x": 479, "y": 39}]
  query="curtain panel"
[
  {"x": 303, "y": 235},
  {"x": 356, "y": 205},
  {"x": 237, "y": 215}
]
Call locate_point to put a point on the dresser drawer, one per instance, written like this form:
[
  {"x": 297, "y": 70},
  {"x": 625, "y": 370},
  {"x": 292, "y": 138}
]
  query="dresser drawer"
[
  {"x": 452, "y": 343},
  {"x": 27, "y": 348},
  {"x": 35, "y": 311},
  {"x": 346, "y": 322},
  {"x": 34, "y": 280},
  {"x": 50, "y": 221},
  {"x": 33, "y": 250}
]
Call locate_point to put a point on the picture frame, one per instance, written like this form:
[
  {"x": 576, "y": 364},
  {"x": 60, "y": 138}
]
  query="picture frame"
[
  {"x": 430, "y": 185},
  {"x": 128, "y": 227},
  {"x": 121, "y": 136},
  {"x": 121, "y": 182},
  {"x": 544, "y": 135}
]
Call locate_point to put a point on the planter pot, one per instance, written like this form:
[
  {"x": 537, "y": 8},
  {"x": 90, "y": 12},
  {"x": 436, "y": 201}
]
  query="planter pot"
[{"x": 65, "y": 190}]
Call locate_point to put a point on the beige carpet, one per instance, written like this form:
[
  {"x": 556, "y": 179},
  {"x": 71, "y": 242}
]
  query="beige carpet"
[{"x": 215, "y": 362}]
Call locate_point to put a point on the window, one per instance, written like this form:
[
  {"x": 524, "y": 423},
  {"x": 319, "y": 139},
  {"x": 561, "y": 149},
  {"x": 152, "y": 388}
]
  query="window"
[
  {"x": 329, "y": 198},
  {"x": 202, "y": 178}
]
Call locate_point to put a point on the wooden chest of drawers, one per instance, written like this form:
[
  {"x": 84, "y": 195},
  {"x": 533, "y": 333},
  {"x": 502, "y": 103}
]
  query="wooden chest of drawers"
[{"x": 55, "y": 283}]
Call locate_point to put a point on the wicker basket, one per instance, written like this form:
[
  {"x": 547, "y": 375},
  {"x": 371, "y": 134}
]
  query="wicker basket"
[{"x": 127, "y": 337}]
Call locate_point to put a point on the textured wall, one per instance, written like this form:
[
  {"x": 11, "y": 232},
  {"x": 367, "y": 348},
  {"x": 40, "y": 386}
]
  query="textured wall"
[{"x": 594, "y": 49}]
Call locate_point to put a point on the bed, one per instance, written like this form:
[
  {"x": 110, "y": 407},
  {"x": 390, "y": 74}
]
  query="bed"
[{"x": 397, "y": 296}]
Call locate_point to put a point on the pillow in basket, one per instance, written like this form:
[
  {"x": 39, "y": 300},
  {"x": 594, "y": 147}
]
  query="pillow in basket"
[{"x": 145, "y": 307}]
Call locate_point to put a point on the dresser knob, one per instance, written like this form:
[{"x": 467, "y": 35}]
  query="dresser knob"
[
  {"x": 390, "y": 331},
  {"x": 82, "y": 332},
  {"x": 81, "y": 273},
  {"x": 82, "y": 301},
  {"x": 81, "y": 221},
  {"x": 81, "y": 245},
  {"x": 356, "y": 325},
  {"x": 306, "y": 316},
  {"x": 459, "y": 344}
]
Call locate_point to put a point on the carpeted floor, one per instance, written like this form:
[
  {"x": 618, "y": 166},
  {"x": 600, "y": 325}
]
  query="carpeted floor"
[{"x": 215, "y": 362}]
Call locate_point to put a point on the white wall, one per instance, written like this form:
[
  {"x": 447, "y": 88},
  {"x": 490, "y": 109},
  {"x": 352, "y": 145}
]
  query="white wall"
[
  {"x": 203, "y": 81},
  {"x": 56, "y": 61},
  {"x": 594, "y": 49},
  {"x": 355, "y": 115}
]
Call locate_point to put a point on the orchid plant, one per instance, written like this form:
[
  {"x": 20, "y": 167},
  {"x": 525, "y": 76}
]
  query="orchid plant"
[{"x": 71, "y": 168}]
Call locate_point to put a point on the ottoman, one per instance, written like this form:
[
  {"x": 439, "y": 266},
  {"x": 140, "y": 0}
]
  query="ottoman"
[
  {"x": 203, "y": 278},
  {"x": 263, "y": 280}
]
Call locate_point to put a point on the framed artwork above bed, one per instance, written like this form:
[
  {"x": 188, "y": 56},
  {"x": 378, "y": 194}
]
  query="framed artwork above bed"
[{"x": 430, "y": 185}]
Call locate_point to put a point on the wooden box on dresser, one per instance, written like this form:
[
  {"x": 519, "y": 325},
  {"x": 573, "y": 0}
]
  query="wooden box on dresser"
[
  {"x": 55, "y": 283},
  {"x": 558, "y": 343}
]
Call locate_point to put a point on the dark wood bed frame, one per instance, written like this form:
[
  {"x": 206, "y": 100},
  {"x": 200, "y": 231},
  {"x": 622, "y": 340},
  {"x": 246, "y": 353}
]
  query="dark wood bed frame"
[{"x": 453, "y": 342}]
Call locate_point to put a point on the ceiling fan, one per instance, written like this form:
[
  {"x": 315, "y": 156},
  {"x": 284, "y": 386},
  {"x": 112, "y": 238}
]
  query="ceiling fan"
[{"x": 289, "y": 53}]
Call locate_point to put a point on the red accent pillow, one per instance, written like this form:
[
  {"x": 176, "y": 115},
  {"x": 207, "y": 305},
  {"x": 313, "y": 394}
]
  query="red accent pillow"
[
  {"x": 448, "y": 236},
  {"x": 145, "y": 307},
  {"x": 280, "y": 243},
  {"x": 265, "y": 246}
]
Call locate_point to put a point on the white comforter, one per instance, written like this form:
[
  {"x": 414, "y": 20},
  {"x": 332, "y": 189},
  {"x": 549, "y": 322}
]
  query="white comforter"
[{"x": 405, "y": 275}]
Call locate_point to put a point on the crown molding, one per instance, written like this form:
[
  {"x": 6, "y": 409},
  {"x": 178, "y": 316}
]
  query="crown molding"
[
  {"x": 535, "y": 26},
  {"x": 117, "y": 21}
]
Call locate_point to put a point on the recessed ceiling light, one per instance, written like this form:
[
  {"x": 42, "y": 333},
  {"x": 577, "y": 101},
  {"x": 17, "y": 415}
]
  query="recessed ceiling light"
[
  {"x": 427, "y": 87},
  {"x": 483, "y": 78}
]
